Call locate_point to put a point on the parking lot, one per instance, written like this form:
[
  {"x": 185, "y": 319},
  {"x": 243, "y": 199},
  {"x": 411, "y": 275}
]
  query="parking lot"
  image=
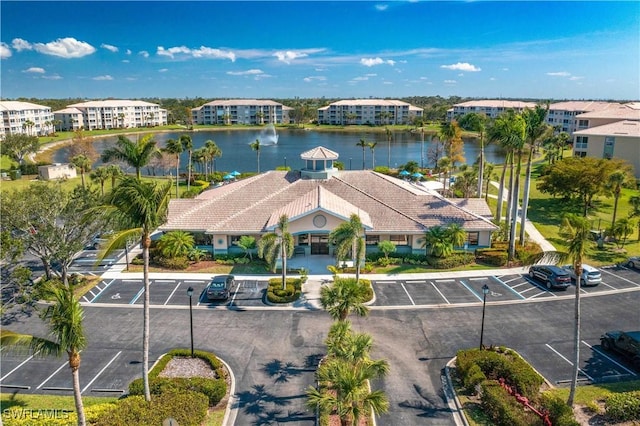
[
  {"x": 87, "y": 262},
  {"x": 516, "y": 287},
  {"x": 173, "y": 292}
]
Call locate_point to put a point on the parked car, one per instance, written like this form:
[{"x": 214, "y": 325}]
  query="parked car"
[
  {"x": 632, "y": 262},
  {"x": 551, "y": 275},
  {"x": 590, "y": 274},
  {"x": 220, "y": 287},
  {"x": 626, "y": 343}
]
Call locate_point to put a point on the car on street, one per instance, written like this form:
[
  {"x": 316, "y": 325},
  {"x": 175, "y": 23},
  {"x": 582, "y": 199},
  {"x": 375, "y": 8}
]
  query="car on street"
[
  {"x": 632, "y": 262},
  {"x": 590, "y": 275},
  {"x": 551, "y": 275},
  {"x": 220, "y": 287},
  {"x": 626, "y": 343}
]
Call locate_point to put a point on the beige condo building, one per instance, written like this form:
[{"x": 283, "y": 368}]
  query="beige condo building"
[
  {"x": 26, "y": 118},
  {"x": 111, "y": 114},
  {"x": 376, "y": 112}
]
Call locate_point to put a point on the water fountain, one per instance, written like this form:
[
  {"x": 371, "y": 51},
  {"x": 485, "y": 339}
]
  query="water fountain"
[{"x": 268, "y": 136}]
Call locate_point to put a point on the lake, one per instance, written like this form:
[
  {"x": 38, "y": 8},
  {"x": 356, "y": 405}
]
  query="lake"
[{"x": 238, "y": 155}]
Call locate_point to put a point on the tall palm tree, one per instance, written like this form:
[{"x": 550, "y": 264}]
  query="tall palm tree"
[
  {"x": 363, "y": 144},
  {"x": 389, "y": 137},
  {"x": 444, "y": 165},
  {"x": 115, "y": 172},
  {"x": 139, "y": 207},
  {"x": 175, "y": 147},
  {"x": 187, "y": 145},
  {"x": 577, "y": 232},
  {"x": 214, "y": 151},
  {"x": 135, "y": 154},
  {"x": 615, "y": 182},
  {"x": 64, "y": 320},
  {"x": 478, "y": 123},
  {"x": 348, "y": 239},
  {"x": 256, "y": 147},
  {"x": 535, "y": 130},
  {"x": 344, "y": 296},
  {"x": 372, "y": 147},
  {"x": 83, "y": 163},
  {"x": 634, "y": 200},
  {"x": 100, "y": 175},
  {"x": 277, "y": 244},
  {"x": 488, "y": 176}
]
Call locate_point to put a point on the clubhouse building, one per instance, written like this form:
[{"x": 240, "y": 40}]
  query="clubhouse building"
[{"x": 316, "y": 200}]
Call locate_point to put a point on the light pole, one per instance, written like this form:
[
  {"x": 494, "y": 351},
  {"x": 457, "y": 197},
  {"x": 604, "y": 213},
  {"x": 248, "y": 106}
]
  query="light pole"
[
  {"x": 190, "y": 293},
  {"x": 349, "y": 163},
  {"x": 485, "y": 291},
  {"x": 285, "y": 161}
]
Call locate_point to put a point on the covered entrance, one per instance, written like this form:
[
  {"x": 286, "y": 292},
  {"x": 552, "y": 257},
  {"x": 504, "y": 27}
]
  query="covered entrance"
[{"x": 320, "y": 244}]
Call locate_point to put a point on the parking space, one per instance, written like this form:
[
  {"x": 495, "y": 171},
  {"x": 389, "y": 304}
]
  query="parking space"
[
  {"x": 102, "y": 373},
  {"x": 87, "y": 262}
]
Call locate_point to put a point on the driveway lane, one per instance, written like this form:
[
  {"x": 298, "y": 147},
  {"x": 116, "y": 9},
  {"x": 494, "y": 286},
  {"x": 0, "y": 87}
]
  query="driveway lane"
[
  {"x": 454, "y": 292},
  {"x": 390, "y": 293}
]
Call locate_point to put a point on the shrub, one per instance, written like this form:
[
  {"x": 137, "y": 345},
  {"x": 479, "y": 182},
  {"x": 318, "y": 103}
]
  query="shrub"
[
  {"x": 623, "y": 406},
  {"x": 200, "y": 184},
  {"x": 178, "y": 263},
  {"x": 560, "y": 413},
  {"x": 188, "y": 408},
  {"x": 473, "y": 378},
  {"x": 456, "y": 260},
  {"x": 276, "y": 294},
  {"x": 503, "y": 408},
  {"x": 492, "y": 256},
  {"x": 529, "y": 253}
]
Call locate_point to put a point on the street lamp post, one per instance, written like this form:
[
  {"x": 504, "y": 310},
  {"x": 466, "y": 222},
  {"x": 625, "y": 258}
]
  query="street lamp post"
[
  {"x": 285, "y": 161},
  {"x": 190, "y": 293},
  {"x": 349, "y": 163},
  {"x": 485, "y": 291}
]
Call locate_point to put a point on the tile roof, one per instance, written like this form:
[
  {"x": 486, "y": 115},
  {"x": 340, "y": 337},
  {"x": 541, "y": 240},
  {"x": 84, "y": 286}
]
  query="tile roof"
[
  {"x": 393, "y": 206},
  {"x": 622, "y": 112},
  {"x": 319, "y": 153},
  {"x": 496, "y": 103},
  {"x": 621, "y": 128},
  {"x": 20, "y": 106}
]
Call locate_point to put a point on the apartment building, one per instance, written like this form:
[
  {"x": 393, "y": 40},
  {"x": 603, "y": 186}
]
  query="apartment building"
[
  {"x": 562, "y": 115},
  {"x": 490, "y": 108},
  {"x": 24, "y": 117},
  {"x": 111, "y": 114},
  {"x": 241, "y": 111},
  {"x": 376, "y": 112}
]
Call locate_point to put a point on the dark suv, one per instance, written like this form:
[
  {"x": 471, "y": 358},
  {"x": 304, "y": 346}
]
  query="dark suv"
[
  {"x": 220, "y": 287},
  {"x": 552, "y": 276}
]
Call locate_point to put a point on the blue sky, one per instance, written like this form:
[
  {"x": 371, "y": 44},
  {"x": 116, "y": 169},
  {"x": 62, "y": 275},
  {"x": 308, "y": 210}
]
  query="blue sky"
[{"x": 268, "y": 49}]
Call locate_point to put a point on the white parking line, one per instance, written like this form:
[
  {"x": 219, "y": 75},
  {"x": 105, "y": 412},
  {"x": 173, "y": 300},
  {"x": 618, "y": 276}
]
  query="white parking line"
[
  {"x": 445, "y": 281},
  {"x": 440, "y": 293},
  {"x": 92, "y": 293},
  {"x": 416, "y": 282},
  {"x": 53, "y": 374},
  {"x": 478, "y": 279},
  {"x": 235, "y": 293},
  {"x": 510, "y": 288},
  {"x": 570, "y": 363},
  {"x": 171, "y": 295},
  {"x": 408, "y": 295},
  {"x": 19, "y": 365},
  {"x": 100, "y": 372},
  {"x": 471, "y": 290},
  {"x": 609, "y": 358},
  {"x": 137, "y": 296},
  {"x": 512, "y": 279},
  {"x": 194, "y": 282},
  {"x": 542, "y": 292},
  {"x": 164, "y": 281},
  {"x": 610, "y": 286},
  {"x": 105, "y": 287},
  {"x": 518, "y": 285},
  {"x": 622, "y": 278}
]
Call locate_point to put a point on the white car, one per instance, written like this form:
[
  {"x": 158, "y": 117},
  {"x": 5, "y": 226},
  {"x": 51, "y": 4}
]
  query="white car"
[{"x": 590, "y": 274}]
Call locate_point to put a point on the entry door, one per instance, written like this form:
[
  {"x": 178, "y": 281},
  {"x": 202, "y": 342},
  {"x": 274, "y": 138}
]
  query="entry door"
[{"x": 319, "y": 244}]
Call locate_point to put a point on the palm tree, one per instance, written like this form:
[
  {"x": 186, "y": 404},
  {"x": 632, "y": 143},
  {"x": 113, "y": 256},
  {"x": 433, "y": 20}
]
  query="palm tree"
[
  {"x": 64, "y": 320},
  {"x": 535, "y": 129},
  {"x": 83, "y": 163},
  {"x": 347, "y": 238},
  {"x": 187, "y": 144},
  {"x": 100, "y": 175},
  {"x": 616, "y": 181},
  {"x": 478, "y": 123},
  {"x": 488, "y": 176},
  {"x": 214, "y": 151},
  {"x": 344, "y": 296},
  {"x": 256, "y": 147},
  {"x": 622, "y": 230},
  {"x": 114, "y": 172},
  {"x": 363, "y": 144},
  {"x": 443, "y": 167},
  {"x": 277, "y": 244},
  {"x": 176, "y": 243},
  {"x": 389, "y": 137},
  {"x": 140, "y": 207},
  {"x": 372, "y": 147},
  {"x": 634, "y": 200},
  {"x": 577, "y": 232},
  {"x": 436, "y": 242},
  {"x": 175, "y": 147},
  {"x": 135, "y": 154}
]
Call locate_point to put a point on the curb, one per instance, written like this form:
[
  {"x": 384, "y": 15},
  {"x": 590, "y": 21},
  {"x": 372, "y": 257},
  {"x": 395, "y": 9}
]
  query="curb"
[{"x": 452, "y": 397}]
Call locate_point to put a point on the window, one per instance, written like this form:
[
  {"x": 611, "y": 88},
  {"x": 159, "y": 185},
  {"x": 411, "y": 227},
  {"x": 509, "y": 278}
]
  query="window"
[
  {"x": 581, "y": 142},
  {"x": 372, "y": 240},
  {"x": 609, "y": 144},
  {"x": 399, "y": 240},
  {"x": 472, "y": 238},
  {"x": 234, "y": 240},
  {"x": 583, "y": 123},
  {"x": 303, "y": 240}
]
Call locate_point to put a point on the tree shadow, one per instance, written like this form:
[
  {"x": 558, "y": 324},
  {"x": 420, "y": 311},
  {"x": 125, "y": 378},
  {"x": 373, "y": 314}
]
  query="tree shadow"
[
  {"x": 283, "y": 371},
  {"x": 268, "y": 408},
  {"x": 428, "y": 405}
]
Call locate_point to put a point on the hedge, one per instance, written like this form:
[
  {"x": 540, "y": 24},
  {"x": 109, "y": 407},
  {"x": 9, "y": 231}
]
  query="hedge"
[
  {"x": 492, "y": 256},
  {"x": 188, "y": 408},
  {"x": 560, "y": 413},
  {"x": 276, "y": 294},
  {"x": 623, "y": 406},
  {"x": 503, "y": 408}
]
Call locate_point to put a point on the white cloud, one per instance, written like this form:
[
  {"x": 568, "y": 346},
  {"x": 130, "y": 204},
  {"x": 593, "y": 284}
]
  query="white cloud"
[
  {"x": 35, "y": 70},
  {"x": 52, "y": 77},
  {"x": 131, "y": 79},
  {"x": 492, "y": 79},
  {"x": 387, "y": 82},
  {"x": 20, "y": 44},
  {"x": 369, "y": 62},
  {"x": 314, "y": 78},
  {"x": 559, "y": 74},
  {"x": 126, "y": 61},
  {"x": 109, "y": 47},
  {"x": 128, "y": 51},
  {"x": 505, "y": 69},
  {"x": 575, "y": 77},
  {"x": 450, "y": 82},
  {"x": 289, "y": 55},
  {"x": 248, "y": 72},
  {"x": 361, "y": 78},
  {"x": 462, "y": 66},
  {"x": 163, "y": 70},
  {"x": 201, "y": 52},
  {"x": 5, "y": 52},
  {"x": 371, "y": 75},
  {"x": 103, "y": 78},
  {"x": 381, "y": 7},
  {"x": 67, "y": 47},
  {"x": 143, "y": 53}
]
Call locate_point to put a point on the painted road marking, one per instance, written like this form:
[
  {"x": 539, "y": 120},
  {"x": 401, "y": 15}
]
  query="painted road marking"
[
  {"x": 408, "y": 295},
  {"x": 440, "y": 293},
  {"x": 479, "y": 279},
  {"x": 512, "y": 279},
  {"x": 570, "y": 363},
  {"x": 20, "y": 365},
  {"x": 609, "y": 358},
  {"x": 471, "y": 290},
  {"x": 137, "y": 296},
  {"x": 100, "y": 292},
  {"x": 53, "y": 374},
  {"x": 445, "y": 281},
  {"x": 100, "y": 372},
  {"x": 510, "y": 288},
  {"x": 622, "y": 278},
  {"x": 174, "y": 290}
]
